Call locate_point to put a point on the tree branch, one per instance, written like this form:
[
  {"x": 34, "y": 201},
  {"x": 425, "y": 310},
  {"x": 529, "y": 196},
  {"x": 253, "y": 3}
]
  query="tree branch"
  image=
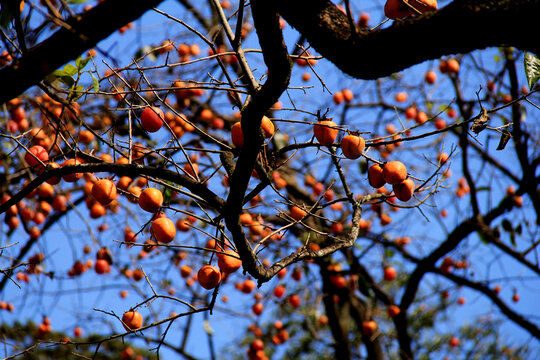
[
  {"x": 65, "y": 45},
  {"x": 460, "y": 27}
]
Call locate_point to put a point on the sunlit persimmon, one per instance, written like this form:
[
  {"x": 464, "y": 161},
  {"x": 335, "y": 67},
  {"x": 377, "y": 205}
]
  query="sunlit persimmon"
[
  {"x": 102, "y": 266},
  {"x": 132, "y": 320},
  {"x": 404, "y": 190},
  {"x": 326, "y": 132},
  {"x": 104, "y": 191},
  {"x": 352, "y": 146},
  {"x": 375, "y": 176},
  {"x": 229, "y": 261},
  {"x": 38, "y": 152},
  {"x": 163, "y": 230},
  {"x": 152, "y": 119},
  {"x": 237, "y": 135},
  {"x": 296, "y": 213},
  {"x": 208, "y": 277},
  {"x": 151, "y": 200},
  {"x": 394, "y": 172},
  {"x": 267, "y": 126}
]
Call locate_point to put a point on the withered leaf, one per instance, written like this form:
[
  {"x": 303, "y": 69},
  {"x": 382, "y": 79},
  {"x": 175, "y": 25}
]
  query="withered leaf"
[
  {"x": 480, "y": 122},
  {"x": 505, "y": 137}
]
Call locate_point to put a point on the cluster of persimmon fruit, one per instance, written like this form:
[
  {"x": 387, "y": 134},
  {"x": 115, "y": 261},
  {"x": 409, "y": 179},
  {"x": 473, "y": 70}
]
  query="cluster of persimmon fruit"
[{"x": 352, "y": 146}]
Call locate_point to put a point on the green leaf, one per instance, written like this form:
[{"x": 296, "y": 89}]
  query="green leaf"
[
  {"x": 59, "y": 73},
  {"x": 482, "y": 237},
  {"x": 70, "y": 69},
  {"x": 532, "y": 69},
  {"x": 81, "y": 63},
  {"x": 167, "y": 193},
  {"x": 389, "y": 253},
  {"x": 66, "y": 80},
  {"x": 363, "y": 166},
  {"x": 77, "y": 1},
  {"x": 96, "y": 83},
  {"x": 363, "y": 286}
]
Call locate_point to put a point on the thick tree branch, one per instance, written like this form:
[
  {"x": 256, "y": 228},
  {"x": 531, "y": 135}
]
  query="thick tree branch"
[
  {"x": 65, "y": 45},
  {"x": 279, "y": 66},
  {"x": 460, "y": 27}
]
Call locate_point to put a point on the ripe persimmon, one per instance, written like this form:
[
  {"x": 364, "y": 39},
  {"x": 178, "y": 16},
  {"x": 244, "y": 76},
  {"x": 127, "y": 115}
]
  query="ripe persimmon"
[
  {"x": 430, "y": 77},
  {"x": 452, "y": 66},
  {"x": 104, "y": 191},
  {"x": 75, "y": 176},
  {"x": 268, "y": 127},
  {"x": 375, "y": 176},
  {"x": 39, "y": 152},
  {"x": 325, "y": 131},
  {"x": 209, "y": 276},
  {"x": 102, "y": 266},
  {"x": 393, "y": 311},
  {"x": 163, "y": 230},
  {"x": 237, "y": 135},
  {"x": 394, "y": 172},
  {"x": 229, "y": 261},
  {"x": 348, "y": 95},
  {"x": 352, "y": 146},
  {"x": 192, "y": 169},
  {"x": 369, "y": 327},
  {"x": 152, "y": 119},
  {"x": 296, "y": 213},
  {"x": 132, "y": 320},
  {"x": 338, "y": 97},
  {"x": 389, "y": 273},
  {"x": 395, "y": 9},
  {"x": 404, "y": 190},
  {"x": 151, "y": 200}
]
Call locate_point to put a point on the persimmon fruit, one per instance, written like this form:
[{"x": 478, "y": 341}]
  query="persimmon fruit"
[
  {"x": 132, "y": 320},
  {"x": 104, "y": 191},
  {"x": 39, "y": 152},
  {"x": 75, "y": 176},
  {"x": 375, "y": 176},
  {"x": 151, "y": 200},
  {"x": 229, "y": 261},
  {"x": 237, "y": 135},
  {"x": 352, "y": 146},
  {"x": 325, "y": 131},
  {"x": 209, "y": 276},
  {"x": 394, "y": 172},
  {"x": 152, "y": 119},
  {"x": 296, "y": 213},
  {"x": 163, "y": 230},
  {"x": 404, "y": 190}
]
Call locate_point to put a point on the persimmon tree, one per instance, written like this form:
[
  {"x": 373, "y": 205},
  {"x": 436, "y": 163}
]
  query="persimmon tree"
[{"x": 330, "y": 180}]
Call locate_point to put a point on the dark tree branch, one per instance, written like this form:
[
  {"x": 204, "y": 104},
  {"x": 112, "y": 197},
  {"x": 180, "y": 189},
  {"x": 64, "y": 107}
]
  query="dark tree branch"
[
  {"x": 66, "y": 44},
  {"x": 460, "y": 27},
  {"x": 279, "y": 65}
]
